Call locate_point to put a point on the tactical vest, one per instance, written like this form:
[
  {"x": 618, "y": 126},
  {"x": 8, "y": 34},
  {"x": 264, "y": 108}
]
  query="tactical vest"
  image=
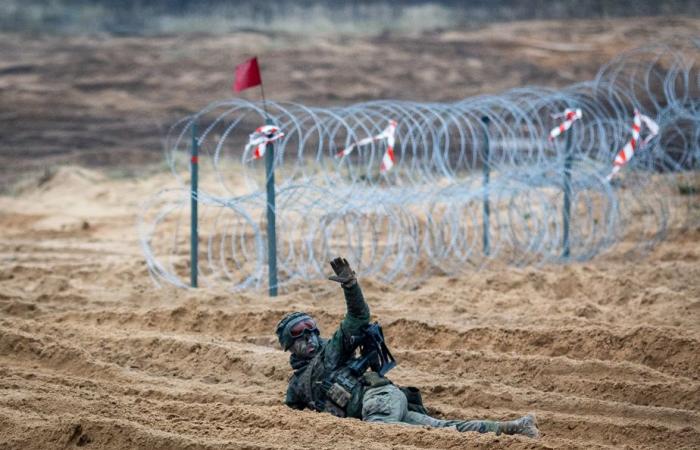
[{"x": 328, "y": 389}]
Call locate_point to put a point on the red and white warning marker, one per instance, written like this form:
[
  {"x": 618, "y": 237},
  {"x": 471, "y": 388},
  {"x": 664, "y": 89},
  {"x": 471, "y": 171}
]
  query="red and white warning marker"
[
  {"x": 260, "y": 138},
  {"x": 388, "y": 158},
  {"x": 570, "y": 116},
  {"x": 389, "y": 133},
  {"x": 652, "y": 126},
  {"x": 627, "y": 151}
]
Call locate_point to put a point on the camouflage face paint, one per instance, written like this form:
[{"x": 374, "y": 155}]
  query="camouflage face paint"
[{"x": 306, "y": 345}]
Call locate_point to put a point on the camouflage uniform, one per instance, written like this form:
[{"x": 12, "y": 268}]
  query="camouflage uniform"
[
  {"x": 374, "y": 398},
  {"x": 305, "y": 388}
]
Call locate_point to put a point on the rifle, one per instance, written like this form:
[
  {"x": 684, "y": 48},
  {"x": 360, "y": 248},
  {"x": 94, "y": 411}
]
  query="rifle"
[{"x": 373, "y": 351}]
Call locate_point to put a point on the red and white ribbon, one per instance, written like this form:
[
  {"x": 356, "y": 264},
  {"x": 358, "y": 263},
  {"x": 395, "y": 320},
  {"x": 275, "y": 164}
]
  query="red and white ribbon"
[
  {"x": 389, "y": 133},
  {"x": 652, "y": 126},
  {"x": 570, "y": 116},
  {"x": 260, "y": 138},
  {"x": 627, "y": 151}
]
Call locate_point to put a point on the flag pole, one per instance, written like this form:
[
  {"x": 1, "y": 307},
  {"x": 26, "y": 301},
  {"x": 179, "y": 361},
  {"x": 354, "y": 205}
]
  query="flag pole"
[
  {"x": 249, "y": 73},
  {"x": 271, "y": 209},
  {"x": 267, "y": 116}
]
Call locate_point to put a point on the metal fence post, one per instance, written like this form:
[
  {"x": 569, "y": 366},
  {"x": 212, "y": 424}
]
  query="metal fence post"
[
  {"x": 487, "y": 173},
  {"x": 194, "y": 237},
  {"x": 568, "y": 163},
  {"x": 271, "y": 229}
]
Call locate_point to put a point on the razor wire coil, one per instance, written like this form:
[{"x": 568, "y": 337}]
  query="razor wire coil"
[{"x": 427, "y": 214}]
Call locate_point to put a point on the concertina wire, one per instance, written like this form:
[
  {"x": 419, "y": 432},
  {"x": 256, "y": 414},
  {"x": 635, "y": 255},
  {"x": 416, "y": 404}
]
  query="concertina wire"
[{"x": 452, "y": 162}]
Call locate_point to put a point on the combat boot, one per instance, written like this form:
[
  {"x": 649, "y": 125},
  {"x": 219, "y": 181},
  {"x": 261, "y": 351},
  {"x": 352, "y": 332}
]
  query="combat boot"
[{"x": 526, "y": 425}]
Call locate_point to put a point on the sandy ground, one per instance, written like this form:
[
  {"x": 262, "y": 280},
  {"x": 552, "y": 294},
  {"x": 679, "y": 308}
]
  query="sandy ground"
[{"x": 606, "y": 353}]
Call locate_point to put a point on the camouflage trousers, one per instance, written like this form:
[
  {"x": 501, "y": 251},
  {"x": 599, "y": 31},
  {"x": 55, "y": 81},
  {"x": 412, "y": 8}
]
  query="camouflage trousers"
[{"x": 388, "y": 404}]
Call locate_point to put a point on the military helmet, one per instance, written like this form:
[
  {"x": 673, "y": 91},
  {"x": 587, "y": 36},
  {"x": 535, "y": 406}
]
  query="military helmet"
[{"x": 284, "y": 327}]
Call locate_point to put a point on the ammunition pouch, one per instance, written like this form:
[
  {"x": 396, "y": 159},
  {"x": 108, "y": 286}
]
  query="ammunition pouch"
[{"x": 341, "y": 389}]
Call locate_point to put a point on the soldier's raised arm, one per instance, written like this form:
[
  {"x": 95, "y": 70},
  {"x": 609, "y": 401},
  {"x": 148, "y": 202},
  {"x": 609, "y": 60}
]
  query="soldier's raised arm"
[{"x": 357, "y": 315}]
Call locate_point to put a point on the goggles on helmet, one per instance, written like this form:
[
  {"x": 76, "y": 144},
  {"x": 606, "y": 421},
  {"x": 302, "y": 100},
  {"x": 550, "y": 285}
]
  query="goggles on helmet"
[{"x": 301, "y": 327}]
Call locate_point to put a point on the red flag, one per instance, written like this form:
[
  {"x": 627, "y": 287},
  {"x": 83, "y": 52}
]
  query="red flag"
[{"x": 247, "y": 75}]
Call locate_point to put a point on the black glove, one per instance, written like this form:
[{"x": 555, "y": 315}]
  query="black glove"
[{"x": 343, "y": 273}]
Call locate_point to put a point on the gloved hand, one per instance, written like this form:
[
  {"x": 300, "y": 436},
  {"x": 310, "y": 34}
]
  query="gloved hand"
[{"x": 343, "y": 273}]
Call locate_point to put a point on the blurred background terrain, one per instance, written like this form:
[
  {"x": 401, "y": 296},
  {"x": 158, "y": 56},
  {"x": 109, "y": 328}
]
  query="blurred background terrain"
[
  {"x": 154, "y": 17},
  {"x": 97, "y": 83}
]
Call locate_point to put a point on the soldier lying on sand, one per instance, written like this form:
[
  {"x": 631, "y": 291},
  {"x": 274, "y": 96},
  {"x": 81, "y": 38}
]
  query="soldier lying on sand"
[{"x": 329, "y": 377}]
